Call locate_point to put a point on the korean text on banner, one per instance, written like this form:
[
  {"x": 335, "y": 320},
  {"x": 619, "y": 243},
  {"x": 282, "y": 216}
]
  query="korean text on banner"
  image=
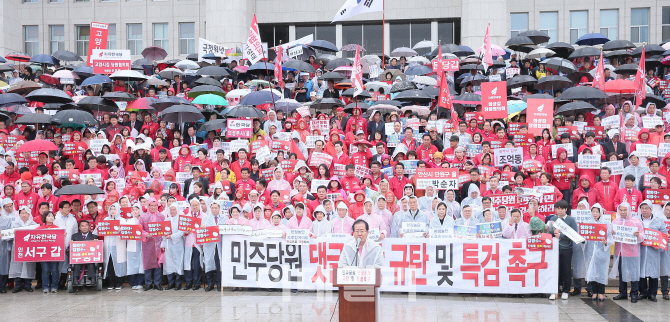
[
  {"x": 239, "y": 128},
  {"x": 86, "y": 252},
  {"x": 442, "y": 179},
  {"x": 568, "y": 231},
  {"x": 254, "y": 48},
  {"x": 40, "y": 245},
  {"x": 97, "y": 39},
  {"x": 108, "y": 61},
  {"x": 624, "y": 234},
  {"x": 208, "y": 47},
  {"x": 511, "y": 156},
  {"x": 540, "y": 115},
  {"x": 494, "y": 99}
]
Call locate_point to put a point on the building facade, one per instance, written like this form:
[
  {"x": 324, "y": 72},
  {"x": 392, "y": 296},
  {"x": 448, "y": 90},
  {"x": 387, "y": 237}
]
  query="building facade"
[{"x": 44, "y": 26}]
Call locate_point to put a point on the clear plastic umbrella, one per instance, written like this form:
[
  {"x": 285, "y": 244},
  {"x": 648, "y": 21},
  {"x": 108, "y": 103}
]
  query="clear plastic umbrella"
[{"x": 424, "y": 44}]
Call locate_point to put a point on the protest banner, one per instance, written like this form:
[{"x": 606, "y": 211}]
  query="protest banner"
[
  {"x": 581, "y": 216},
  {"x": 657, "y": 196},
  {"x": 588, "y": 161},
  {"x": 207, "y": 235},
  {"x": 209, "y": 47},
  {"x": 97, "y": 39},
  {"x": 611, "y": 122},
  {"x": 410, "y": 166},
  {"x": 442, "y": 178},
  {"x": 109, "y": 61},
  {"x": 572, "y": 130},
  {"x": 540, "y": 242},
  {"x": 511, "y": 71},
  {"x": 630, "y": 134},
  {"x": 413, "y": 227},
  {"x": 339, "y": 170},
  {"x": 646, "y": 179},
  {"x": 511, "y": 156},
  {"x": 288, "y": 165},
  {"x": 591, "y": 231},
  {"x": 580, "y": 126},
  {"x": 646, "y": 150},
  {"x": 394, "y": 140},
  {"x": 568, "y": 231},
  {"x": 494, "y": 99},
  {"x": 278, "y": 145},
  {"x": 522, "y": 140},
  {"x": 478, "y": 116},
  {"x": 109, "y": 228},
  {"x": 655, "y": 238},
  {"x": 316, "y": 183},
  {"x": 126, "y": 212},
  {"x": 39, "y": 245},
  {"x": 318, "y": 158},
  {"x": 624, "y": 234},
  {"x": 181, "y": 177},
  {"x": 360, "y": 171},
  {"x": 540, "y": 114},
  {"x": 465, "y": 232},
  {"x": 8, "y": 234},
  {"x": 650, "y": 122},
  {"x": 320, "y": 125},
  {"x": 263, "y": 154},
  {"x": 237, "y": 145},
  {"x": 239, "y": 128},
  {"x": 447, "y": 232},
  {"x": 567, "y": 146},
  {"x": 489, "y": 230},
  {"x": 514, "y": 128},
  {"x": 564, "y": 170},
  {"x": 160, "y": 228},
  {"x": 599, "y": 131},
  {"x": 268, "y": 233},
  {"x": 258, "y": 144},
  {"x": 472, "y": 150},
  {"x": 235, "y": 230},
  {"x": 508, "y": 199},
  {"x": 86, "y": 252},
  {"x": 310, "y": 265},
  {"x": 663, "y": 150},
  {"x": 297, "y": 236},
  {"x": 96, "y": 145},
  {"x": 310, "y": 141},
  {"x": 616, "y": 167},
  {"x": 130, "y": 232},
  {"x": 188, "y": 223}
]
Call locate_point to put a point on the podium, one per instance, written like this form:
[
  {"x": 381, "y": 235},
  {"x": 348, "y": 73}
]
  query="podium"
[{"x": 358, "y": 293}]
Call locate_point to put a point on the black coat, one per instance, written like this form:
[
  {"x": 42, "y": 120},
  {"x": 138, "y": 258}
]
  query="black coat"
[
  {"x": 80, "y": 237},
  {"x": 187, "y": 185},
  {"x": 608, "y": 147},
  {"x": 138, "y": 125}
]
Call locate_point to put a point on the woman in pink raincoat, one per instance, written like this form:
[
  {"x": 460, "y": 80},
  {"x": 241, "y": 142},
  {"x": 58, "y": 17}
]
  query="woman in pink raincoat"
[
  {"x": 300, "y": 221},
  {"x": 258, "y": 221},
  {"x": 151, "y": 247}
]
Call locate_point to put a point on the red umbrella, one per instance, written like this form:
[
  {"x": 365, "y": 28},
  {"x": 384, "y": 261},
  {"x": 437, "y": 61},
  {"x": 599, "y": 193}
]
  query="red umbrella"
[
  {"x": 141, "y": 104},
  {"x": 37, "y": 145},
  {"x": 46, "y": 78},
  {"x": 18, "y": 56},
  {"x": 620, "y": 86},
  {"x": 154, "y": 53}
]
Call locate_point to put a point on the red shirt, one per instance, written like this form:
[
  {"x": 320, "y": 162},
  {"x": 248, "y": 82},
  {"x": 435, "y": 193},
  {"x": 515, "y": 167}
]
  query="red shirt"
[{"x": 426, "y": 153}]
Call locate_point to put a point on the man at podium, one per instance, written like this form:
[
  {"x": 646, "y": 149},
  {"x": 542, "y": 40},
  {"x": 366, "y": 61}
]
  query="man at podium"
[{"x": 360, "y": 251}]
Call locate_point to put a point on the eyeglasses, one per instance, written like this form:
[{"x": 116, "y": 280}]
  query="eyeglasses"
[{"x": 360, "y": 231}]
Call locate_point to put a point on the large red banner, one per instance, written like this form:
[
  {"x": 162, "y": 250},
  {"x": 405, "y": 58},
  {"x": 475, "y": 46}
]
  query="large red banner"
[
  {"x": 540, "y": 113},
  {"x": 39, "y": 245},
  {"x": 494, "y": 100},
  {"x": 97, "y": 39},
  {"x": 86, "y": 252}
]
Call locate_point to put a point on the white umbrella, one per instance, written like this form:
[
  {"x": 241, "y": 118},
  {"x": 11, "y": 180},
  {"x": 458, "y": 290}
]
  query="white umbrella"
[
  {"x": 404, "y": 51},
  {"x": 170, "y": 73},
  {"x": 371, "y": 59},
  {"x": 377, "y": 86},
  {"x": 419, "y": 59},
  {"x": 425, "y": 80},
  {"x": 425, "y": 44},
  {"x": 280, "y": 94},
  {"x": 129, "y": 75},
  {"x": 540, "y": 53},
  {"x": 344, "y": 70},
  {"x": 187, "y": 64},
  {"x": 237, "y": 93},
  {"x": 421, "y": 110},
  {"x": 64, "y": 73},
  {"x": 448, "y": 56}
]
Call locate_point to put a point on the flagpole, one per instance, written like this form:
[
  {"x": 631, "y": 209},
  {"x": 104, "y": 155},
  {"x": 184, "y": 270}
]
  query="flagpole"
[{"x": 383, "y": 34}]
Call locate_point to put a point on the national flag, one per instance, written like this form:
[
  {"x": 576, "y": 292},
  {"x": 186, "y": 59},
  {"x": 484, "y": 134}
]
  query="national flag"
[
  {"x": 254, "y": 48},
  {"x": 356, "y": 7},
  {"x": 488, "y": 58},
  {"x": 357, "y": 73},
  {"x": 278, "y": 73},
  {"x": 599, "y": 79},
  {"x": 640, "y": 82},
  {"x": 444, "y": 100}
]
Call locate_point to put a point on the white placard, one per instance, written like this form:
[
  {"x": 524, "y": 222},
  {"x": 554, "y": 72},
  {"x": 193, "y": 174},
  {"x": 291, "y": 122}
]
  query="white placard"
[
  {"x": 175, "y": 152},
  {"x": 580, "y": 126},
  {"x": 611, "y": 122},
  {"x": 268, "y": 233},
  {"x": 310, "y": 141},
  {"x": 587, "y": 161},
  {"x": 646, "y": 150},
  {"x": 8, "y": 234},
  {"x": 567, "y": 146},
  {"x": 163, "y": 166},
  {"x": 374, "y": 234},
  {"x": 624, "y": 234},
  {"x": 235, "y": 230},
  {"x": 96, "y": 145},
  {"x": 263, "y": 154},
  {"x": 181, "y": 177},
  {"x": 236, "y": 145},
  {"x": 297, "y": 236},
  {"x": 441, "y": 232},
  {"x": 295, "y": 51},
  {"x": 316, "y": 183},
  {"x": 650, "y": 122},
  {"x": 356, "y": 276},
  {"x": 568, "y": 231},
  {"x": 208, "y": 47},
  {"x": 663, "y": 149},
  {"x": 413, "y": 227},
  {"x": 511, "y": 156},
  {"x": 581, "y": 216}
]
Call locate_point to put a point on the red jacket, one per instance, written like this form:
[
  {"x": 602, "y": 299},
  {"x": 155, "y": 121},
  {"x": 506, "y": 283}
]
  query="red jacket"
[
  {"x": 361, "y": 158},
  {"x": 30, "y": 199},
  {"x": 245, "y": 185},
  {"x": 343, "y": 159},
  {"x": 9, "y": 179},
  {"x": 563, "y": 182},
  {"x": 592, "y": 195},
  {"x": 348, "y": 183},
  {"x": 424, "y": 153},
  {"x": 633, "y": 199},
  {"x": 606, "y": 193},
  {"x": 52, "y": 200},
  {"x": 398, "y": 185}
]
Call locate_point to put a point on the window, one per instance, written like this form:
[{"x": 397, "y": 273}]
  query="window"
[
  {"x": 639, "y": 25},
  {"x": 161, "y": 36},
  {"x": 519, "y": 22},
  {"x": 31, "y": 40},
  {"x": 420, "y": 32},
  {"x": 549, "y": 24},
  {"x": 83, "y": 33},
  {"x": 58, "y": 1},
  {"x": 187, "y": 38},
  {"x": 665, "y": 24},
  {"x": 446, "y": 33},
  {"x": 273, "y": 34},
  {"x": 399, "y": 34},
  {"x": 29, "y": 1},
  {"x": 372, "y": 38},
  {"x": 82, "y": 0},
  {"x": 57, "y": 38},
  {"x": 326, "y": 32},
  {"x": 351, "y": 34},
  {"x": 578, "y": 24},
  {"x": 609, "y": 23},
  {"x": 135, "y": 38},
  {"x": 111, "y": 36}
]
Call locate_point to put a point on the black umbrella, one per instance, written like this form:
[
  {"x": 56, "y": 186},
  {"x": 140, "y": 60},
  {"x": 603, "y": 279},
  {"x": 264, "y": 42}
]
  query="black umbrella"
[
  {"x": 350, "y": 93},
  {"x": 537, "y": 37},
  {"x": 618, "y": 44},
  {"x": 259, "y": 98},
  {"x": 49, "y": 95},
  {"x": 213, "y": 71},
  {"x": 77, "y": 117},
  {"x": 418, "y": 70},
  {"x": 334, "y": 76},
  {"x": 261, "y": 68},
  {"x": 120, "y": 96},
  {"x": 66, "y": 55},
  {"x": 181, "y": 114},
  {"x": 659, "y": 101},
  {"x": 470, "y": 67},
  {"x": 464, "y": 51},
  {"x": 475, "y": 80},
  {"x": 585, "y": 52},
  {"x": 561, "y": 49},
  {"x": 168, "y": 101},
  {"x": 582, "y": 93},
  {"x": 193, "y": 57},
  {"x": 520, "y": 43},
  {"x": 576, "y": 77},
  {"x": 245, "y": 111},
  {"x": 351, "y": 106},
  {"x": 413, "y": 95},
  {"x": 617, "y": 54},
  {"x": 521, "y": 80},
  {"x": 208, "y": 81},
  {"x": 553, "y": 82},
  {"x": 446, "y": 49},
  {"x": 84, "y": 71},
  {"x": 544, "y": 96},
  {"x": 391, "y": 102},
  {"x": 649, "y": 50},
  {"x": 44, "y": 59},
  {"x": 299, "y": 65},
  {"x": 79, "y": 189},
  {"x": 11, "y": 99},
  {"x": 34, "y": 118},
  {"x": 574, "y": 108},
  {"x": 402, "y": 86},
  {"x": 627, "y": 69},
  {"x": 100, "y": 104},
  {"x": 337, "y": 63},
  {"x": 6, "y": 68},
  {"x": 213, "y": 125},
  {"x": 206, "y": 89},
  {"x": 498, "y": 64},
  {"x": 323, "y": 45},
  {"x": 326, "y": 103},
  {"x": 652, "y": 62},
  {"x": 559, "y": 64}
]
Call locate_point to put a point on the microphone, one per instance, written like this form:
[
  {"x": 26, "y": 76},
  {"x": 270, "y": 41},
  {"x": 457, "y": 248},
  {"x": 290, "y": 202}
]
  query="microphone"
[{"x": 358, "y": 243}]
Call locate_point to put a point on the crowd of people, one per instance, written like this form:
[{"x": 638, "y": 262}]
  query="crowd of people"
[{"x": 162, "y": 171}]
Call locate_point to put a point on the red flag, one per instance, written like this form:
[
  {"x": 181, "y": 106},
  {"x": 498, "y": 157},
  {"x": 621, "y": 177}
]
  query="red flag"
[
  {"x": 640, "y": 82},
  {"x": 357, "y": 73},
  {"x": 437, "y": 67},
  {"x": 445, "y": 98},
  {"x": 599, "y": 79},
  {"x": 488, "y": 59},
  {"x": 278, "y": 73}
]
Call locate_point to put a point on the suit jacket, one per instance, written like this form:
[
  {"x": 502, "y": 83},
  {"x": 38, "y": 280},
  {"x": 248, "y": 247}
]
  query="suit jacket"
[
  {"x": 187, "y": 185},
  {"x": 80, "y": 237},
  {"x": 608, "y": 147},
  {"x": 138, "y": 125},
  {"x": 187, "y": 140}
]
